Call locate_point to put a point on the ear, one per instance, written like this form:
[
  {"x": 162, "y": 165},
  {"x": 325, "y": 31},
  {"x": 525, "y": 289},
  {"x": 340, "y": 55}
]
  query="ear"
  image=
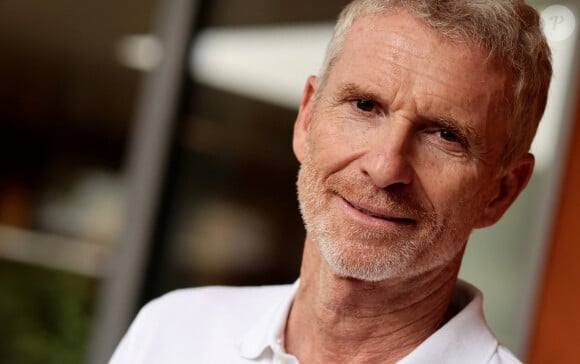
[
  {"x": 513, "y": 180},
  {"x": 302, "y": 124}
]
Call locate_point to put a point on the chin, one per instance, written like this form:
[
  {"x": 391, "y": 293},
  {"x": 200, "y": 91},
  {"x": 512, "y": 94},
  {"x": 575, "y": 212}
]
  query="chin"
[{"x": 369, "y": 263}]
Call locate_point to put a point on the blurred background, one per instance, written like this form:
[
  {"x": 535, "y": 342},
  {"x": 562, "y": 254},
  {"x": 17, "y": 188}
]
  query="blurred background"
[{"x": 146, "y": 146}]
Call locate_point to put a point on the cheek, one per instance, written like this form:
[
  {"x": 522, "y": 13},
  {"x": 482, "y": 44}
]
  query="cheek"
[
  {"x": 335, "y": 144},
  {"x": 453, "y": 190}
]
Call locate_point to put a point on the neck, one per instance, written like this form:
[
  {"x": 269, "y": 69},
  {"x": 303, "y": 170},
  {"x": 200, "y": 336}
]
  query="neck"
[{"x": 341, "y": 320}]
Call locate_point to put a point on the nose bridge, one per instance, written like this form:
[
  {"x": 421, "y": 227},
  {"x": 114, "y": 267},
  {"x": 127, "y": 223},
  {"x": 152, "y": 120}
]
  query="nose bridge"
[
  {"x": 387, "y": 160},
  {"x": 397, "y": 134}
]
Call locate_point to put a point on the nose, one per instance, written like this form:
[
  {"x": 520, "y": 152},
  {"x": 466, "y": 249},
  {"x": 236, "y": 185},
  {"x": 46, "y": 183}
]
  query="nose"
[{"x": 387, "y": 156}]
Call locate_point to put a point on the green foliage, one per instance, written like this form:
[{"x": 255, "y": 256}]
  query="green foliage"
[{"x": 44, "y": 315}]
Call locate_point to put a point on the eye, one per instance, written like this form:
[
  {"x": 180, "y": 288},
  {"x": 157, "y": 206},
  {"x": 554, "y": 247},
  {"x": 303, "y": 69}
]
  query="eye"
[
  {"x": 449, "y": 136},
  {"x": 365, "y": 105}
]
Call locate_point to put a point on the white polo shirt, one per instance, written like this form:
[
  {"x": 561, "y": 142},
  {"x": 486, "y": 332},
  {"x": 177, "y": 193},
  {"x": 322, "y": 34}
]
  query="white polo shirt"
[{"x": 246, "y": 325}]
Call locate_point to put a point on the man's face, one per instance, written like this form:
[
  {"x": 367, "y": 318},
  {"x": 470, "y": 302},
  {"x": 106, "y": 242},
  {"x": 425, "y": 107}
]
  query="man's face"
[{"x": 401, "y": 152}]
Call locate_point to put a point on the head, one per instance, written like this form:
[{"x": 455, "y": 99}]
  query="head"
[{"x": 404, "y": 139}]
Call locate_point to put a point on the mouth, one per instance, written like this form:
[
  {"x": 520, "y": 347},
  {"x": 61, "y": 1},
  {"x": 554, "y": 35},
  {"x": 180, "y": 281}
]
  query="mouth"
[{"x": 378, "y": 213}]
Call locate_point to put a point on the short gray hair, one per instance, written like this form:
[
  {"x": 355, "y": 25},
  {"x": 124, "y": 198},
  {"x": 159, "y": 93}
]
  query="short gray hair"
[{"x": 509, "y": 30}]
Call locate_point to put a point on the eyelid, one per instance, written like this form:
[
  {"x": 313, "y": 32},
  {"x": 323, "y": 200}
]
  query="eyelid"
[
  {"x": 449, "y": 126},
  {"x": 377, "y": 106},
  {"x": 357, "y": 100},
  {"x": 352, "y": 92}
]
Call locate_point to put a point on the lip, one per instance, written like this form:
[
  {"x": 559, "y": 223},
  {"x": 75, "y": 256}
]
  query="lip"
[{"x": 374, "y": 215}]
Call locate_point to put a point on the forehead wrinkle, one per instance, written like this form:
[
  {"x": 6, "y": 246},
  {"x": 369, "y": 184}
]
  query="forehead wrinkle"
[
  {"x": 414, "y": 73},
  {"x": 403, "y": 75},
  {"x": 400, "y": 47}
]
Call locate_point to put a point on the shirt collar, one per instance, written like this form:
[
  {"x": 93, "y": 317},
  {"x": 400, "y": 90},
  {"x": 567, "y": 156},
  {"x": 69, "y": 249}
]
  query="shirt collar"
[
  {"x": 464, "y": 338},
  {"x": 268, "y": 331}
]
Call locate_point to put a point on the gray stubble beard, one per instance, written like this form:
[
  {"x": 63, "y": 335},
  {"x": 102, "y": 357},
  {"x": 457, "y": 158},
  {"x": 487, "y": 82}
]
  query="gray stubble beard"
[{"x": 359, "y": 256}]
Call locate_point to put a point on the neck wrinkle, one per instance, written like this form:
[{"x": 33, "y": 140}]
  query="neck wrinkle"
[{"x": 335, "y": 319}]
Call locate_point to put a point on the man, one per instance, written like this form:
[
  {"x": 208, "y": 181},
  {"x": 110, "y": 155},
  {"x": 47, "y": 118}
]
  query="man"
[{"x": 416, "y": 132}]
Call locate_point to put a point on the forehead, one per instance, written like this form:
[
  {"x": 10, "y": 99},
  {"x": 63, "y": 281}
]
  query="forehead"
[{"x": 393, "y": 52}]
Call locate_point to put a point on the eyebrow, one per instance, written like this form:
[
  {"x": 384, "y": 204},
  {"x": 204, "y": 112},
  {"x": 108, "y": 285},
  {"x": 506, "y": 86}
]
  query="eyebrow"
[{"x": 350, "y": 89}]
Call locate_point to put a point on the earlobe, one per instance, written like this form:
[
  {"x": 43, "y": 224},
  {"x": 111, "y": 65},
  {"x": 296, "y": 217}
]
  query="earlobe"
[
  {"x": 302, "y": 123},
  {"x": 510, "y": 185}
]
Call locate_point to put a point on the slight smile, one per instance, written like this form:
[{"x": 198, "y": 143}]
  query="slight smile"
[{"x": 378, "y": 213}]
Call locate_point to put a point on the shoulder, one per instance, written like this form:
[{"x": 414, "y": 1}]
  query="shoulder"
[
  {"x": 199, "y": 302},
  {"x": 215, "y": 303},
  {"x": 192, "y": 321},
  {"x": 219, "y": 294}
]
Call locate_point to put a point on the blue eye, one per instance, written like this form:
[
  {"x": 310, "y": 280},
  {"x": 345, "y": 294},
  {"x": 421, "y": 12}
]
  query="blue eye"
[{"x": 365, "y": 105}]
